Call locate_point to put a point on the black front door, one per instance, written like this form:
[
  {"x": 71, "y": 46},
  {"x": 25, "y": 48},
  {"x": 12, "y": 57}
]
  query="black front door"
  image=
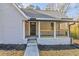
[{"x": 32, "y": 28}]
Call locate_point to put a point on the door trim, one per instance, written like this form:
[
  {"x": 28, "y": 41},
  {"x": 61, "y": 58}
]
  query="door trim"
[{"x": 29, "y": 27}]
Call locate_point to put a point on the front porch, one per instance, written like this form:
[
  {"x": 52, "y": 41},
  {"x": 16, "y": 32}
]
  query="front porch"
[{"x": 48, "y": 33}]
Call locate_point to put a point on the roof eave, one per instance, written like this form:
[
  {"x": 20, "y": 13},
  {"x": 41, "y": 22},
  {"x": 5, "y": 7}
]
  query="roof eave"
[
  {"x": 20, "y": 11},
  {"x": 53, "y": 19}
]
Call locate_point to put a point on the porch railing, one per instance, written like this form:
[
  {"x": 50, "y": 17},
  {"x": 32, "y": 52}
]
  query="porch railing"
[
  {"x": 61, "y": 33},
  {"x": 51, "y": 33},
  {"x": 46, "y": 33}
]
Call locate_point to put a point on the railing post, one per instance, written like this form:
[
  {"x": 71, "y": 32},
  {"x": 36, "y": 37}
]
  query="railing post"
[
  {"x": 54, "y": 29},
  {"x": 68, "y": 34},
  {"x": 38, "y": 29}
]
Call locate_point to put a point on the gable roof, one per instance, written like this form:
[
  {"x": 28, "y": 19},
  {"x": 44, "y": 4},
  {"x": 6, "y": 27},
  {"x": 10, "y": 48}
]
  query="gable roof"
[
  {"x": 40, "y": 15},
  {"x": 53, "y": 13},
  {"x": 45, "y": 15},
  {"x": 34, "y": 14}
]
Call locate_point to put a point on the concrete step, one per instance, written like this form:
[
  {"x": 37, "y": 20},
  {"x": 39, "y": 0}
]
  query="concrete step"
[{"x": 32, "y": 41}]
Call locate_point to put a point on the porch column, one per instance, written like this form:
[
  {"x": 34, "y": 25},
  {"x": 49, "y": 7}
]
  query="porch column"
[
  {"x": 29, "y": 28},
  {"x": 24, "y": 30},
  {"x": 54, "y": 29},
  {"x": 68, "y": 30},
  {"x": 38, "y": 29}
]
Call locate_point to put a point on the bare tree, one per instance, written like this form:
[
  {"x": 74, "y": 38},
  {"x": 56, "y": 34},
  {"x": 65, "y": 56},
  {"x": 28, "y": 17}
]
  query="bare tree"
[
  {"x": 37, "y": 8},
  {"x": 64, "y": 8},
  {"x": 61, "y": 7},
  {"x": 30, "y": 7}
]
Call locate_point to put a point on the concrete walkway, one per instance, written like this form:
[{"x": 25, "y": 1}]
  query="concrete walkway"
[{"x": 32, "y": 48}]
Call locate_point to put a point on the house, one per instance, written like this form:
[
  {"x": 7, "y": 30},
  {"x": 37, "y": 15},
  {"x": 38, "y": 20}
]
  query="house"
[{"x": 17, "y": 26}]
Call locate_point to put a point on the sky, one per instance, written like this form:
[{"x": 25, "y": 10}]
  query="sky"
[
  {"x": 41, "y": 5},
  {"x": 72, "y": 12}
]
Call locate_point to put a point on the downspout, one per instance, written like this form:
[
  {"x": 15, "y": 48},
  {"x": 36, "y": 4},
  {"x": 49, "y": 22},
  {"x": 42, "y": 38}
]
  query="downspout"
[
  {"x": 78, "y": 30},
  {"x": 70, "y": 31}
]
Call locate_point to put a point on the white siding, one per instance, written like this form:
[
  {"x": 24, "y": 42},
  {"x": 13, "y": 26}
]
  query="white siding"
[
  {"x": 1, "y": 34},
  {"x": 11, "y": 29},
  {"x": 52, "y": 41}
]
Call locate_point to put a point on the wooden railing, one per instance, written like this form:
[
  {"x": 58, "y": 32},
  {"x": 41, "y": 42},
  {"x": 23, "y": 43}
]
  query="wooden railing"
[
  {"x": 61, "y": 33},
  {"x": 51, "y": 33},
  {"x": 46, "y": 33}
]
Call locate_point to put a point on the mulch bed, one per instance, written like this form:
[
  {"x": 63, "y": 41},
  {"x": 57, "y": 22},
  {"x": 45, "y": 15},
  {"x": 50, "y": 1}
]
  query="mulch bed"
[
  {"x": 12, "y": 46},
  {"x": 56, "y": 47},
  {"x": 58, "y": 50},
  {"x": 12, "y": 49}
]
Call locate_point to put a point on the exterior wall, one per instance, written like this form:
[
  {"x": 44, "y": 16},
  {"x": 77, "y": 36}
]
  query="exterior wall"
[
  {"x": 11, "y": 28},
  {"x": 54, "y": 41},
  {"x": 46, "y": 29},
  {"x": 63, "y": 26},
  {"x": 1, "y": 30},
  {"x": 45, "y": 26}
]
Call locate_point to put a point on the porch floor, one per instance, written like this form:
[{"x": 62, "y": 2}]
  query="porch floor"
[{"x": 34, "y": 37}]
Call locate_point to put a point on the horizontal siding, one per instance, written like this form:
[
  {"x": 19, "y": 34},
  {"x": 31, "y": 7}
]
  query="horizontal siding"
[
  {"x": 46, "y": 26},
  {"x": 12, "y": 24}
]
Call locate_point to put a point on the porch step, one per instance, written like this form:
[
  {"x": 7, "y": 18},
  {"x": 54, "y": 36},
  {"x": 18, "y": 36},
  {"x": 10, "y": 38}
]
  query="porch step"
[
  {"x": 32, "y": 41},
  {"x": 32, "y": 48}
]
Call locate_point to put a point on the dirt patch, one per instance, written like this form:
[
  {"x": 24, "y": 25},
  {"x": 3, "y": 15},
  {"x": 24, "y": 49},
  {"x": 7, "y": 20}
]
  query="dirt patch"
[
  {"x": 63, "y": 50},
  {"x": 11, "y": 52}
]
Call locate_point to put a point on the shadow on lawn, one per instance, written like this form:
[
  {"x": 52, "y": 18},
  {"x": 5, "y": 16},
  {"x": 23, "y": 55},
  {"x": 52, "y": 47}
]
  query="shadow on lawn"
[
  {"x": 12, "y": 46},
  {"x": 57, "y": 47}
]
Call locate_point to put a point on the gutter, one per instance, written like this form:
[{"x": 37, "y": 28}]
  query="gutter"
[{"x": 70, "y": 32}]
